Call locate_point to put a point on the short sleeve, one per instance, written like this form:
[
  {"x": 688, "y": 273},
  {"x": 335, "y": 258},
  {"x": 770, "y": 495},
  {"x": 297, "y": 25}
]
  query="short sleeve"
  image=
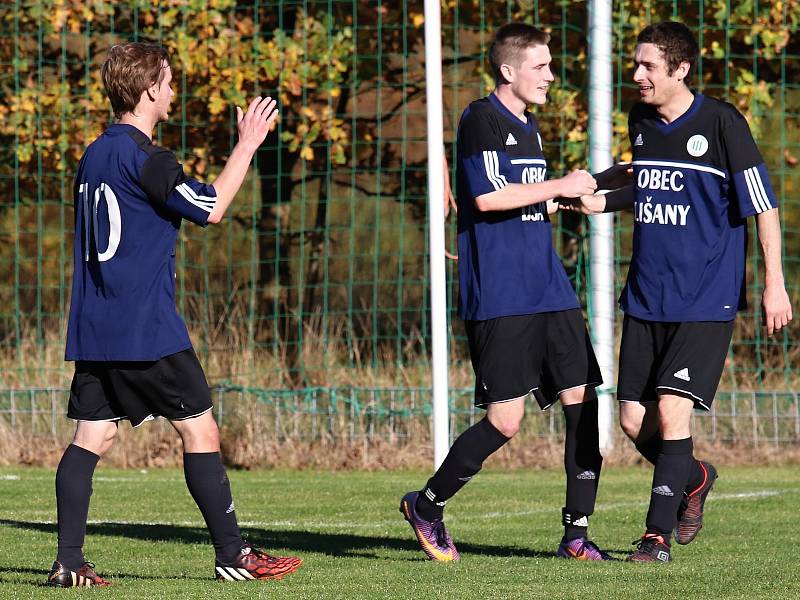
[
  {"x": 483, "y": 159},
  {"x": 752, "y": 188},
  {"x": 166, "y": 185}
]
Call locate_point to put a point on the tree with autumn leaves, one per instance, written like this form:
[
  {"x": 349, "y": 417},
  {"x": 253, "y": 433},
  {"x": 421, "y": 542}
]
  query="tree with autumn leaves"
[{"x": 348, "y": 76}]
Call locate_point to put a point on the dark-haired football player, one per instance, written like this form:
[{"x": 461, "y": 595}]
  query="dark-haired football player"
[{"x": 698, "y": 175}]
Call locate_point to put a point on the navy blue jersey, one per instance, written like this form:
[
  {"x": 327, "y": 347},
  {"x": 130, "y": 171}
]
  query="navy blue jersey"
[
  {"x": 130, "y": 198},
  {"x": 696, "y": 181},
  {"x": 506, "y": 261}
]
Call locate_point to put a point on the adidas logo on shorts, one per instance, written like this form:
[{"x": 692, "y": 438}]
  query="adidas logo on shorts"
[
  {"x": 663, "y": 490},
  {"x": 682, "y": 374}
]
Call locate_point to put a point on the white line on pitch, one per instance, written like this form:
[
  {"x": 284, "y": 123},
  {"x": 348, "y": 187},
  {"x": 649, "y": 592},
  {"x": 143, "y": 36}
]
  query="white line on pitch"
[
  {"x": 288, "y": 523},
  {"x": 615, "y": 505}
]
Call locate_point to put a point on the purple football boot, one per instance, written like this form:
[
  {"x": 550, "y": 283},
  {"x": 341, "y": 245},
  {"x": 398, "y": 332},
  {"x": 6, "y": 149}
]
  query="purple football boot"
[
  {"x": 436, "y": 543},
  {"x": 582, "y": 548}
]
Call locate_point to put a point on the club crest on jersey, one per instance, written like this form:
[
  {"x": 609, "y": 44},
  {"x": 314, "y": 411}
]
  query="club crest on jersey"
[
  {"x": 638, "y": 141},
  {"x": 697, "y": 145},
  {"x": 511, "y": 140}
]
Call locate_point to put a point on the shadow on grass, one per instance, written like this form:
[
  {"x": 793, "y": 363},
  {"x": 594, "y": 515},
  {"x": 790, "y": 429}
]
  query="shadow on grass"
[
  {"x": 331, "y": 544},
  {"x": 41, "y": 576}
]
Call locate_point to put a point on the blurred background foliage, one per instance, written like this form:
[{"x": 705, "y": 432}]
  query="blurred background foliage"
[{"x": 322, "y": 268}]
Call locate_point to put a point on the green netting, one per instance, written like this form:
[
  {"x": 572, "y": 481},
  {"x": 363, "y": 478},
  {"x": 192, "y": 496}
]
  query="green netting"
[
  {"x": 398, "y": 414},
  {"x": 319, "y": 276}
]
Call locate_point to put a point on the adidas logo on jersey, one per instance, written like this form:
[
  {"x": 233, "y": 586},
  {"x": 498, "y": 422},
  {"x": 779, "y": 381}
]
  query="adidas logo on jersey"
[
  {"x": 511, "y": 140},
  {"x": 682, "y": 374},
  {"x": 663, "y": 490},
  {"x": 638, "y": 141}
]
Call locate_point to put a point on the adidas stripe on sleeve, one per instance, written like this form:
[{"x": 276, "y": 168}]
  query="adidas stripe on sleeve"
[
  {"x": 166, "y": 185},
  {"x": 485, "y": 162},
  {"x": 751, "y": 184}
]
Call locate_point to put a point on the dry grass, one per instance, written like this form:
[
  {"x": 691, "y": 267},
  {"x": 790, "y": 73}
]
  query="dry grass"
[
  {"x": 155, "y": 445},
  {"x": 258, "y": 434}
]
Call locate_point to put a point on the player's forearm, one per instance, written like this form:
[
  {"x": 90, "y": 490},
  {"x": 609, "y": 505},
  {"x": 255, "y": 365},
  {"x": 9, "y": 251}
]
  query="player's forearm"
[
  {"x": 621, "y": 199},
  {"x": 769, "y": 237},
  {"x": 517, "y": 195},
  {"x": 229, "y": 181}
]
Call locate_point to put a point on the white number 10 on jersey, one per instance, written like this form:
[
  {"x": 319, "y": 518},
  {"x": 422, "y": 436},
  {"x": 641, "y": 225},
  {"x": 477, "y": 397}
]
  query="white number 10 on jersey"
[{"x": 114, "y": 220}]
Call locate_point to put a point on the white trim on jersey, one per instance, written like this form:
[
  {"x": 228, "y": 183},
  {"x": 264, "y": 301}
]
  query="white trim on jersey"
[
  {"x": 528, "y": 161},
  {"x": 758, "y": 195},
  {"x": 679, "y": 165},
  {"x": 205, "y": 202},
  {"x": 492, "y": 166}
]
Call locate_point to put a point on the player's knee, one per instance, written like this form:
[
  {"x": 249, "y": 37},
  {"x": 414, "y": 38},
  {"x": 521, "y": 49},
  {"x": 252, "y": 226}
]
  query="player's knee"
[
  {"x": 198, "y": 435},
  {"x": 96, "y": 437},
  {"x": 630, "y": 425},
  {"x": 108, "y": 441},
  {"x": 508, "y": 427},
  {"x": 212, "y": 436}
]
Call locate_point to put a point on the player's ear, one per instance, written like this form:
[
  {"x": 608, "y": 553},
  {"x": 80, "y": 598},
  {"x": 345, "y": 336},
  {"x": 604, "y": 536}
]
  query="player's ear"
[
  {"x": 507, "y": 71},
  {"x": 682, "y": 70}
]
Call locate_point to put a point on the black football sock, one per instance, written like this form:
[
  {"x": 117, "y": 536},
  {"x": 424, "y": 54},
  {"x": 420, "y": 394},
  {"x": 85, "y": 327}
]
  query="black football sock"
[
  {"x": 211, "y": 490},
  {"x": 697, "y": 476},
  {"x": 669, "y": 481},
  {"x": 582, "y": 463},
  {"x": 649, "y": 448},
  {"x": 73, "y": 490},
  {"x": 464, "y": 460}
]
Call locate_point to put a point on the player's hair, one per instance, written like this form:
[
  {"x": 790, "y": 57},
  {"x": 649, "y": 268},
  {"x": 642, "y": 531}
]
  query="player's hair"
[
  {"x": 675, "y": 41},
  {"x": 129, "y": 70},
  {"x": 510, "y": 42}
]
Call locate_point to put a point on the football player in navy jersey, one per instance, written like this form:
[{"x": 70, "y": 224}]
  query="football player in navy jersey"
[
  {"x": 698, "y": 175},
  {"x": 133, "y": 357},
  {"x": 523, "y": 320}
]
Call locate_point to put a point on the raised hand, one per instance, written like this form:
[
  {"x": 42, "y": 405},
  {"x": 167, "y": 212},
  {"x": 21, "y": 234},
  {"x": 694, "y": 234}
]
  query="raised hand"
[{"x": 254, "y": 125}]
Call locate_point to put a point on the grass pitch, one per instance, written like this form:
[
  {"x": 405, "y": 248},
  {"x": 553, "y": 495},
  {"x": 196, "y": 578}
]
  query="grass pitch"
[{"x": 146, "y": 535}]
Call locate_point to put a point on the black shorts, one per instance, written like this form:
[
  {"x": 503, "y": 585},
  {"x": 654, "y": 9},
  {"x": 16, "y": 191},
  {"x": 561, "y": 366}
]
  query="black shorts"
[
  {"x": 545, "y": 353},
  {"x": 685, "y": 359},
  {"x": 173, "y": 387}
]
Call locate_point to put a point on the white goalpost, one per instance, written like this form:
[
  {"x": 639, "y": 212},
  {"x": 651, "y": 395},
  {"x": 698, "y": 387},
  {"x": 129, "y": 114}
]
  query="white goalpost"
[
  {"x": 602, "y": 301},
  {"x": 433, "y": 87}
]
